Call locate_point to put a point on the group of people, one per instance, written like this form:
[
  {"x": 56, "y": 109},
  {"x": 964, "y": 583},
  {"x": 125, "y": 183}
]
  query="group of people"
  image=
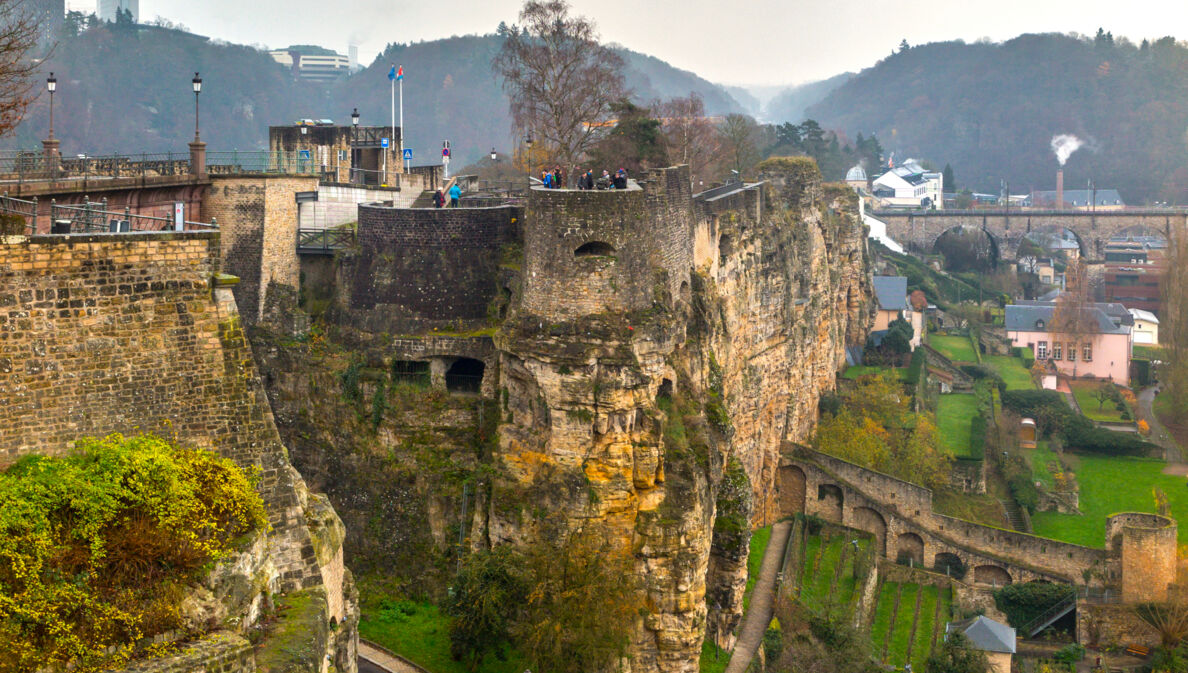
[
  {"x": 439, "y": 199},
  {"x": 555, "y": 179}
]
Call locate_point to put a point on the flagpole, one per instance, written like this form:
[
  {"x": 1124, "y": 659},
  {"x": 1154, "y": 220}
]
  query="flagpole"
[
  {"x": 402, "y": 122},
  {"x": 392, "y": 81}
]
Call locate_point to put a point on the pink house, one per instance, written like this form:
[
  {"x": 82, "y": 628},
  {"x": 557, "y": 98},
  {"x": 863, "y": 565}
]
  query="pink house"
[{"x": 1104, "y": 355}]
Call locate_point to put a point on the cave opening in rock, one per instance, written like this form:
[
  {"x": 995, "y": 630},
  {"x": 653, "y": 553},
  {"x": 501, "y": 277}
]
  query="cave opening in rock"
[{"x": 465, "y": 376}]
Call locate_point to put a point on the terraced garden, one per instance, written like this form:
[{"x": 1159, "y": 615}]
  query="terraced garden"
[
  {"x": 1012, "y": 371},
  {"x": 908, "y": 622},
  {"x": 953, "y": 414},
  {"x": 827, "y": 577},
  {"x": 956, "y": 348}
]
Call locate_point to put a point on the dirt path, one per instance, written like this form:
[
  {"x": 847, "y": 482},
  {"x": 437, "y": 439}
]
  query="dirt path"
[
  {"x": 1159, "y": 434},
  {"x": 383, "y": 660},
  {"x": 758, "y": 617}
]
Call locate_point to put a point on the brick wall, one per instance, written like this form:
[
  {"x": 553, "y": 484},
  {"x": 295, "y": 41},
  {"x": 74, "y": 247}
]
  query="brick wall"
[
  {"x": 122, "y": 333},
  {"x": 1147, "y": 543},
  {"x": 257, "y": 218},
  {"x": 415, "y": 269},
  {"x": 650, "y": 231}
]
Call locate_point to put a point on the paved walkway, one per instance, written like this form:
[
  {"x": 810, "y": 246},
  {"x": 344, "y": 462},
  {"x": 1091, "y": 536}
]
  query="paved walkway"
[
  {"x": 373, "y": 658},
  {"x": 758, "y": 617},
  {"x": 1159, "y": 434}
]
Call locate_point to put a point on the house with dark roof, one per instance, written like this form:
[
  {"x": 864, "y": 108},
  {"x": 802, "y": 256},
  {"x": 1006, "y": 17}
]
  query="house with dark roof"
[
  {"x": 1079, "y": 199},
  {"x": 1102, "y": 352},
  {"x": 994, "y": 638},
  {"x": 892, "y": 297}
]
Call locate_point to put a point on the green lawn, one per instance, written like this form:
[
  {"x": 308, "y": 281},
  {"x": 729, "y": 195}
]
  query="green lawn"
[
  {"x": 956, "y": 348},
  {"x": 759, "y": 540},
  {"x": 713, "y": 660},
  {"x": 1112, "y": 485},
  {"x": 902, "y": 633},
  {"x": 882, "y": 619},
  {"x": 419, "y": 632},
  {"x": 1085, "y": 392},
  {"x": 1150, "y": 352},
  {"x": 922, "y": 643},
  {"x": 953, "y": 414},
  {"x": 1040, "y": 457},
  {"x": 1012, "y": 371},
  {"x": 852, "y": 373}
]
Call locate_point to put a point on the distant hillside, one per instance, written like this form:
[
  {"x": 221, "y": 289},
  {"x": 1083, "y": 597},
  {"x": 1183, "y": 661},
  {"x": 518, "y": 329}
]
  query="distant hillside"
[
  {"x": 127, "y": 89},
  {"x": 791, "y": 104},
  {"x": 990, "y": 110}
]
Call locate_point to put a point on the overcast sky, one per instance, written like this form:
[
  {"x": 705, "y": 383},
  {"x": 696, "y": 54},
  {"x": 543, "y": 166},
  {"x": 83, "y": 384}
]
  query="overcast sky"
[{"x": 750, "y": 42}]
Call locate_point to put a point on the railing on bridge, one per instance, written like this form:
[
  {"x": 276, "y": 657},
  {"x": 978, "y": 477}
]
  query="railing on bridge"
[
  {"x": 264, "y": 161},
  {"x": 92, "y": 217},
  {"x": 324, "y": 241},
  {"x": 29, "y": 166}
]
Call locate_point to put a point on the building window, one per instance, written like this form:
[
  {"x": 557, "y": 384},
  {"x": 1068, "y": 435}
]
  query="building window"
[
  {"x": 342, "y": 155},
  {"x": 1072, "y": 351},
  {"x": 1087, "y": 353},
  {"x": 1041, "y": 350},
  {"x": 1055, "y": 350}
]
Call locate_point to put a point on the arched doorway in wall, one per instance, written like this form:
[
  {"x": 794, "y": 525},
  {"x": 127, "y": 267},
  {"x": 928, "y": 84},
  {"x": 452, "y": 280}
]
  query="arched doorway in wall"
[
  {"x": 831, "y": 501},
  {"x": 992, "y": 575},
  {"x": 950, "y": 565},
  {"x": 465, "y": 375},
  {"x": 872, "y": 522},
  {"x": 909, "y": 550},
  {"x": 792, "y": 490}
]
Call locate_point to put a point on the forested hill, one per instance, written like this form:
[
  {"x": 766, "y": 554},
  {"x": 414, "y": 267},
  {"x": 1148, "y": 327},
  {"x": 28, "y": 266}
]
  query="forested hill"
[
  {"x": 990, "y": 110},
  {"x": 127, "y": 89}
]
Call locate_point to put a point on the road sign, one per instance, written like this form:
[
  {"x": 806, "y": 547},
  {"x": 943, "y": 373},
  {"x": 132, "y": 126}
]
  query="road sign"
[
  {"x": 408, "y": 155},
  {"x": 304, "y": 154},
  {"x": 445, "y": 152},
  {"x": 383, "y": 142}
]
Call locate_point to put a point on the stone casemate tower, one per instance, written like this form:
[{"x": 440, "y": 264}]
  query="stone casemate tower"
[
  {"x": 589, "y": 252},
  {"x": 1147, "y": 545}
]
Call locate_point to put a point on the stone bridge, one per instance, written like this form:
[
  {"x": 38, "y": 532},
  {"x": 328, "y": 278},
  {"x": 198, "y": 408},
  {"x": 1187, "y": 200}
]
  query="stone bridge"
[
  {"x": 1007, "y": 228},
  {"x": 899, "y": 515}
]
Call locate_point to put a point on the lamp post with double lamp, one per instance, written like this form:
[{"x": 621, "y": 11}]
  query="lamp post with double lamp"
[
  {"x": 50, "y": 145},
  {"x": 528, "y": 143},
  {"x": 197, "y": 148}
]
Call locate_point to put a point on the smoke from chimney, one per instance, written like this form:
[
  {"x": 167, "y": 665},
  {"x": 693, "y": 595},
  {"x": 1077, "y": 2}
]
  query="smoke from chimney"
[
  {"x": 1064, "y": 145},
  {"x": 1060, "y": 188}
]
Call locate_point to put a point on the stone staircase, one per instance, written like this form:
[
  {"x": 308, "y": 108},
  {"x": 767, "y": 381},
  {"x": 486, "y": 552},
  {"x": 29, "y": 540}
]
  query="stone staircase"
[{"x": 1016, "y": 516}]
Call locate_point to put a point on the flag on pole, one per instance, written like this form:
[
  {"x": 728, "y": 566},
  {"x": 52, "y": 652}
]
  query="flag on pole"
[{"x": 395, "y": 74}]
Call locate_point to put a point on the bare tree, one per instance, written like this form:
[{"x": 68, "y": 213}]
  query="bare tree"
[
  {"x": 561, "y": 82},
  {"x": 19, "y": 33},
  {"x": 1075, "y": 319},
  {"x": 739, "y": 135},
  {"x": 689, "y": 135},
  {"x": 1173, "y": 332}
]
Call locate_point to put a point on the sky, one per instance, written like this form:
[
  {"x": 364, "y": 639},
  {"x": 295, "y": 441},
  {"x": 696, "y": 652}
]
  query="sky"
[{"x": 758, "y": 42}]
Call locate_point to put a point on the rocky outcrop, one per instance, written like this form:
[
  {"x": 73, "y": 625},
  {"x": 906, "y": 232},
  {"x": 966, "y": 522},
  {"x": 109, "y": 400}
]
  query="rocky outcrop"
[{"x": 623, "y": 419}]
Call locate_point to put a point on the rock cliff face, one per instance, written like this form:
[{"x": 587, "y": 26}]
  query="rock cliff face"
[
  {"x": 711, "y": 349},
  {"x": 656, "y": 352}
]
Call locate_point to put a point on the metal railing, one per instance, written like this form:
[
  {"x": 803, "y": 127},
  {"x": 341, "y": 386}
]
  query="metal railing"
[
  {"x": 25, "y": 209},
  {"x": 324, "y": 241},
  {"x": 36, "y": 166}
]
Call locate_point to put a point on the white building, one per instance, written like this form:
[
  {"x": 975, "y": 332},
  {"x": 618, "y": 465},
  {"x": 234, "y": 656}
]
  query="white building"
[
  {"x": 910, "y": 186},
  {"x": 108, "y": 9},
  {"x": 1146, "y": 327}
]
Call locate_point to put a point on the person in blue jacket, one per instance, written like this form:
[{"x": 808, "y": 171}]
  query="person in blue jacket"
[{"x": 455, "y": 194}]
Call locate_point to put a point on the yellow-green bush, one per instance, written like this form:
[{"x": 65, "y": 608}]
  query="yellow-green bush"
[{"x": 97, "y": 547}]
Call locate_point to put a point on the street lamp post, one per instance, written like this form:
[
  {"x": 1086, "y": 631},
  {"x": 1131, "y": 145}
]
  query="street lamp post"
[
  {"x": 354, "y": 139},
  {"x": 197, "y": 148},
  {"x": 50, "y": 145},
  {"x": 528, "y": 142},
  {"x": 494, "y": 155}
]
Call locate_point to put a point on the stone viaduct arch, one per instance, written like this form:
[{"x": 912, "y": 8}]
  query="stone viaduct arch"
[
  {"x": 1007, "y": 227},
  {"x": 899, "y": 515}
]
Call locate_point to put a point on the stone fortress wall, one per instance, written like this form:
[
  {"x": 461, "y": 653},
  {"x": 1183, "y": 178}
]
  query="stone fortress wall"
[
  {"x": 139, "y": 333},
  {"x": 416, "y": 269},
  {"x": 1138, "y": 561}
]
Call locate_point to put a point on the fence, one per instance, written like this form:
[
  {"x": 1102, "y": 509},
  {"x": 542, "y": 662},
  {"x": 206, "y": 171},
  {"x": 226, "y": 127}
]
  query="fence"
[
  {"x": 92, "y": 218},
  {"x": 324, "y": 241}
]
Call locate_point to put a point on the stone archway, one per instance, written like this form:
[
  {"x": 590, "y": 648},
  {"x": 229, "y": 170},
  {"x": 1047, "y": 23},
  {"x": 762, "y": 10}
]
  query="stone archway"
[
  {"x": 992, "y": 575},
  {"x": 871, "y": 521},
  {"x": 792, "y": 490},
  {"x": 830, "y": 502},
  {"x": 909, "y": 548},
  {"x": 950, "y": 565}
]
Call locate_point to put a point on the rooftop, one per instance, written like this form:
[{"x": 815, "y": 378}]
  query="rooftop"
[
  {"x": 1038, "y": 317},
  {"x": 985, "y": 634},
  {"x": 891, "y": 292}
]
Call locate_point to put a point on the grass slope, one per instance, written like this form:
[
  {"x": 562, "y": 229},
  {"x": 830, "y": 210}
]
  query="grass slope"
[
  {"x": 419, "y": 632},
  {"x": 1108, "y": 486},
  {"x": 853, "y": 373},
  {"x": 1085, "y": 391},
  {"x": 1012, "y": 371},
  {"x": 953, "y": 415},
  {"x": 956, "y": 348}
]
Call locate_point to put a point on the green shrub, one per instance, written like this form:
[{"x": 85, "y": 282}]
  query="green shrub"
[
  {"x": 1021, "y": 603},
  {"x": 1023, "y": 491},
  {"x": 1140, "y": 372},
  {"x": 916, "y": 367},
  {"x": 977, "y": 437},
  {"x": 1070, "y": 654},
  {"x": 97, "y": 547}
]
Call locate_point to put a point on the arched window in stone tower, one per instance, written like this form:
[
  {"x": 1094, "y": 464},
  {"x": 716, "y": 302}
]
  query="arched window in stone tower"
[{"x": 595, "y": 249}]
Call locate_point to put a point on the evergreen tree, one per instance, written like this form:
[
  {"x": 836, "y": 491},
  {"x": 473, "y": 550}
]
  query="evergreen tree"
[{"x": 949, "y": 180}]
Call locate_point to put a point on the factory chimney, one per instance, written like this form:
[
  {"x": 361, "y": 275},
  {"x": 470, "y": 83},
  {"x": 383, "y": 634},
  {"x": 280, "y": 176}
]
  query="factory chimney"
[{"x": 1060, "y": 189}]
